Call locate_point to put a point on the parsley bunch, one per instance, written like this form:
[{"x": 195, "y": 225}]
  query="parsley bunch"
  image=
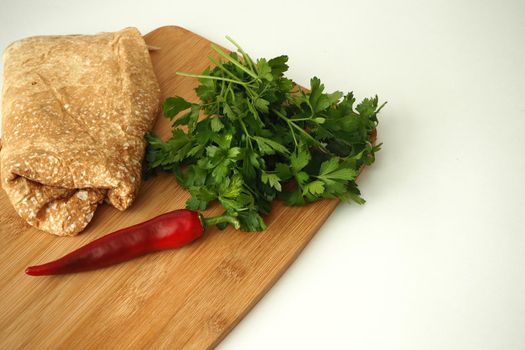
[{"x": 262, "y": 138}]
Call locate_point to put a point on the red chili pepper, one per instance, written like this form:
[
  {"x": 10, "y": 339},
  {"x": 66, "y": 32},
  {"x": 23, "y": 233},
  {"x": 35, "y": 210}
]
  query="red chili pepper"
[{"x": 166, "y": 231}]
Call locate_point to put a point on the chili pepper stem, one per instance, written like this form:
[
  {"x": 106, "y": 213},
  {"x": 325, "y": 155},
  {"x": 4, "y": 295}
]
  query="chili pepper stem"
[{"x": 215, "y": 220}]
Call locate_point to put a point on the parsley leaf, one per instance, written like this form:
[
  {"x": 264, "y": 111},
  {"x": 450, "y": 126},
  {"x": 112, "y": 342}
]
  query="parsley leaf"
[
  {"x": 173, "y": 105},
  {"x": 271, "y": 179},
  {"x": 254, "y": 137}
]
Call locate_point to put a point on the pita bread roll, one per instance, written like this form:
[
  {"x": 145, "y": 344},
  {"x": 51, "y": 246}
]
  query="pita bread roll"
[{"x": 74, "y": 113}]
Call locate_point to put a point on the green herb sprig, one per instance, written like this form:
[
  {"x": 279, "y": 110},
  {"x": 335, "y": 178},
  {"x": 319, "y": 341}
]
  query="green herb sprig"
[{"x": 261, "y": 137}]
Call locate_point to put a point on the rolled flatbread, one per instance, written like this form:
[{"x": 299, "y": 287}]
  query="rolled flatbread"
[{"x": 75, "y": 109}]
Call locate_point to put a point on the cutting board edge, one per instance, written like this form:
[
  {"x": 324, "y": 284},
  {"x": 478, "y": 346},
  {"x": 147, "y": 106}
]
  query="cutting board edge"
[{"x": 282, "y": 270}]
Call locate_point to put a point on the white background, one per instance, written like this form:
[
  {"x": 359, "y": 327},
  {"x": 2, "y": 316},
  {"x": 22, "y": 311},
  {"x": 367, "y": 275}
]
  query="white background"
[{"x": 436, "y": 258}]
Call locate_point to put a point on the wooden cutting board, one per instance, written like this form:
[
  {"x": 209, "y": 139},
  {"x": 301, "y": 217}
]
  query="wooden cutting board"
[{"x": 188, "y": 298}]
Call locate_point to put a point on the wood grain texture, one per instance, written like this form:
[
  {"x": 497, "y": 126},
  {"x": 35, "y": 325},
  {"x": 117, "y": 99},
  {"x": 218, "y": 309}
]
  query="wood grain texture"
[{"x": 188, "y": 298}]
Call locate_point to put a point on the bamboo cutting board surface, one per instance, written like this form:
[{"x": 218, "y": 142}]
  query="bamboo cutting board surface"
[{"x": 188, "y": 298}]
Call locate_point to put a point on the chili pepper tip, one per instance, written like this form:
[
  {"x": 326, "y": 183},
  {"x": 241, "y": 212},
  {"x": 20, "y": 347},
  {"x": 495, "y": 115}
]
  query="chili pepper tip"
[{"x": 33, "y": 271}]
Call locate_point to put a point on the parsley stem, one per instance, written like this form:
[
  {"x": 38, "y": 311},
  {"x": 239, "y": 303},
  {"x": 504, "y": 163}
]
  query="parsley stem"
[
  {"x": 200, "y": 76},
  {"x": 264, "y": 89},
  {"x": 380, "y": 107},
  {"x": 247, "y": 58},
  {"x": 230, "y": 90},
  {"x": 307, "y": 135},
  {"x": 221, "y": 66},
  {"x": 251, "y": 190},
  {"x": 310, "y": 137},
  {"x": 300, "y": 119},
  {"x": 234, "y": 61},
  {"x": 294, "y": 138},
  {"x": 249, "y": 137}
]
